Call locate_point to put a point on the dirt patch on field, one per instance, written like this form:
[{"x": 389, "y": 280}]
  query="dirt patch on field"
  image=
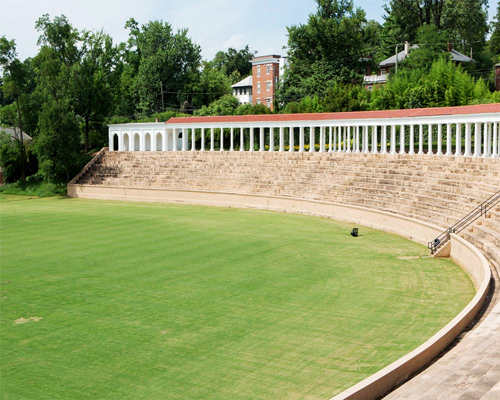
[{"x": 23, "y": 320}]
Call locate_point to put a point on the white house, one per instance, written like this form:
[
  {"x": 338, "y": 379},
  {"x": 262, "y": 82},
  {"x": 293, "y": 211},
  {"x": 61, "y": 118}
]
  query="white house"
[{"x": 243, "y": 90}]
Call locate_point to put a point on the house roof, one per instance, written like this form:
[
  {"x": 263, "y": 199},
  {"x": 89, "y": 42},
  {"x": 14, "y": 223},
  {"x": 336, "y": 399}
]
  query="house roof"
[
  {"x": 244, "y": 82},
  {"x": 14, "y": 133},
  {"x": 416, "y": 112},
  {"x": 455, "y": 56},
  {"x": 392, "y": 59}
]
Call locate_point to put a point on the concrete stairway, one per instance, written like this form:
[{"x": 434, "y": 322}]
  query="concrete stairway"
[{"x": 440, "y": 190}]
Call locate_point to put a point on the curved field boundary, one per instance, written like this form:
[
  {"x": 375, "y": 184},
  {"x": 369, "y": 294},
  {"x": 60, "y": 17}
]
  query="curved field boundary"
[{"x": 461, "y": 251}]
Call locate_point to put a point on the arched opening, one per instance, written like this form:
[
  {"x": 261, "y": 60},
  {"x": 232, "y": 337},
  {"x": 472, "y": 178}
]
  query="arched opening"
[
  {"x": 148, "y": 142},
  {"x": 159, "y": 142},
  {"x": 115, "y": 142},
  {"x": 126, "y": 142},
  {"x": 179, "y": 141},
  {"x": 137, "y": 142}
]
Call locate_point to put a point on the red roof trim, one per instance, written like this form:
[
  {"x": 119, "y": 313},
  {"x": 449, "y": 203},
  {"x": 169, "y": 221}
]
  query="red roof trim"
[{"x": 416, "y": 112}]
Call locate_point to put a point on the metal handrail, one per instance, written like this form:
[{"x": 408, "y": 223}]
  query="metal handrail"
[{"x": 478, "y": 212}]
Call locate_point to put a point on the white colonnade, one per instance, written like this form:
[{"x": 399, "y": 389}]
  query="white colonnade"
[{"x": 470, "y": 135}]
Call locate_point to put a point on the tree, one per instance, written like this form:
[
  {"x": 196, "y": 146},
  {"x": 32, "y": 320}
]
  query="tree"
[
  {"x": 432, "y": 46},
  {"x": 459, "y": 16},
  {"x": 93, "y": 79},
  {"x": 14, "y": 85},
  {"x": 58, "y": 142},
  {"x": 234, "y": 63},
  {"x": 167, "y": 63},
  {"x": 494, "y": 43},
  {"x": 211, "y": 85},
  {"x": 328, "y": 49}
]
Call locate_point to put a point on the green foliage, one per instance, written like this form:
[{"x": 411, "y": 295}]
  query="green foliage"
[
  {"x": 329, "y": 49},
  {"x": 58, "y": 143},
  {"x": 167, "y": 61},
  {"x": 34, "y": 186},
  {"x": 226, "y": 105},
  {"x": 233, "y": 63},
  {"x": 494, "y": 42},
  {"x": 432, "y": 47}
]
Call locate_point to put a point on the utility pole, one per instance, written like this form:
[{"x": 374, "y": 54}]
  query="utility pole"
[{"x": 397, "y": 58}]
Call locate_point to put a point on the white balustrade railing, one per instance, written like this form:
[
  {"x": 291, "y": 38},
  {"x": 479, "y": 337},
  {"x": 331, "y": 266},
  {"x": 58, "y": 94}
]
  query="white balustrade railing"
[{"x": 468, "y": 134}]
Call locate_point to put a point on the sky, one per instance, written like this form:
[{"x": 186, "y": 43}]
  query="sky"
[{"x": 213, "y": 24}]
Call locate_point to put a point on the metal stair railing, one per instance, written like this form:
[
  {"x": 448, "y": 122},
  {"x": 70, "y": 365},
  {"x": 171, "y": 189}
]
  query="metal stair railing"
[{"x": 478, "y": 212}]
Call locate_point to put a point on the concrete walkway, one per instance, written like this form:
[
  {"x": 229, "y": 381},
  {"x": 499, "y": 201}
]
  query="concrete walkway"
[{"x": 470, "y": 367}]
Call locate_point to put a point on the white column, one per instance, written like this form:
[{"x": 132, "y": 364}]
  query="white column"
[
  {"x": 393, "y": 139},
  {"x": 348, "y": 139},
  {"x": 212, "y": 139},
  {"x": 221, "y": 139},
  {"x": 374, "y": 140},
  {"x": 477, "y": 140},
  {"x": 110, "y": 142},
  {"x": 184, "y": 139},
  {"x": 322, "y": 139},
  {"x": 164, "y": 140},
  {"x": 448, "y": 139},
  {"x": 495, "y": 139},
  {"x": 232, "y": 140},
  {"x": 429, "y": 143},
  {"x": 301, "y": 139},
  {"x": 202, "y": 147},
  {"x": 366, "y": 145},
  {"x": 421, "y": 139},
  {"x": 282, "y": 139},
  {"x": 458, "y": 140},
  {"x": 242, "y": 139},
  {"x": 487, "y": 140},
  {"x": 291, "y": 140},
  {"x": 440, "y": 141},
  {"x": 312, "y": 143},
  {"x": 330, "y": 138},
  {"x": 261, "y": 137},
  {"x": 383, "y": 150},
  {"x": 174, "y": 139},
  {"x": 412, "y": 140},
  {"x": 402, "y": 139},
  {"x": 356, "y": 141},
  {"x": 251, "y": 139},
  {"x": 271, "y": 139},
  {"x": 142, "y": 141},
  {"x": 339, "y": 137},
  {"x": 193, "y": 139},
  {"x": 468, "y": 140}
]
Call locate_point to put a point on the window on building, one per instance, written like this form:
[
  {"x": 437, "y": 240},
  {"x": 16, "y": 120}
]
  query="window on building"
[
  {"x": 258, "y": 70},
  {"x": 258, "y": 87},
  {"x": 245, "y": 91},
  {"x": 268, "y": 85},
  {"x": 370, "y": 88},
  {"x": 382, "y": 71},
  {"x": 258, "y": 101},
  {"x": 269, "y": 102},
  {"x": 268, "y": 69}
]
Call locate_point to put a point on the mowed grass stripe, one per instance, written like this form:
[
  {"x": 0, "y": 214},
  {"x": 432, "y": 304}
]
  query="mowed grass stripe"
[{"x": 145, "y": 301}]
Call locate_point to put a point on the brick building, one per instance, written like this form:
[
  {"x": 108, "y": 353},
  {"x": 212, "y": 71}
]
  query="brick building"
[{"x": 266, "y": 71}]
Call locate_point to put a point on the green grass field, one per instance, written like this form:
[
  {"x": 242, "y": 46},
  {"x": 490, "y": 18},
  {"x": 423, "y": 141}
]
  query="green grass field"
[{"x": 116, "y": 300}]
